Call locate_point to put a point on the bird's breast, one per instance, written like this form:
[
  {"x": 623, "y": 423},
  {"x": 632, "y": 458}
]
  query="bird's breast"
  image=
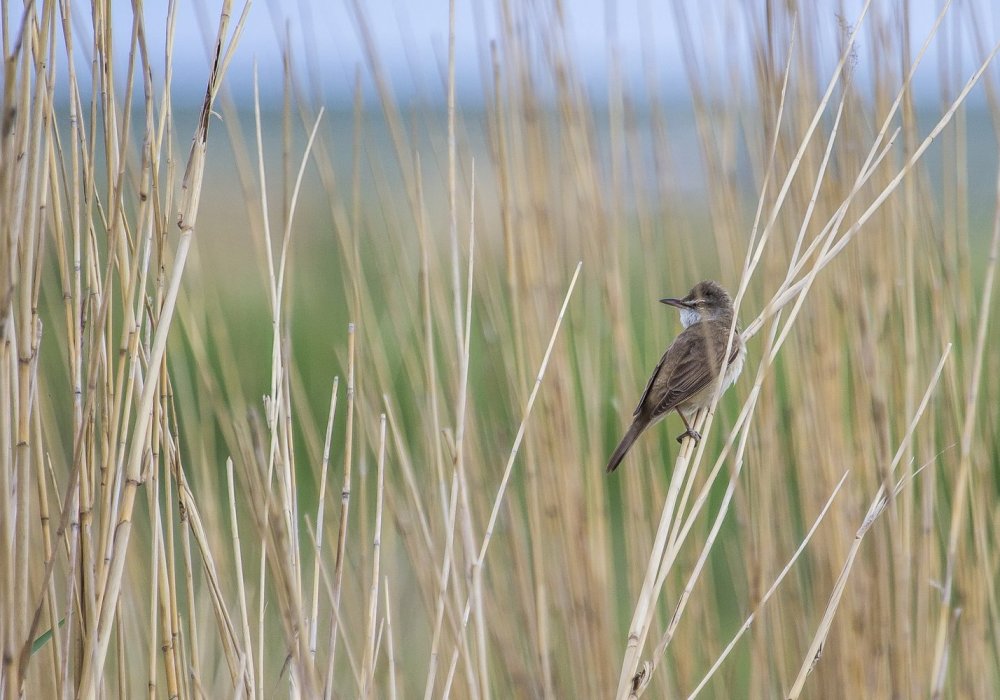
[
  {"x": 735, "y": 367},
  {"x": 703, "y": 398}
]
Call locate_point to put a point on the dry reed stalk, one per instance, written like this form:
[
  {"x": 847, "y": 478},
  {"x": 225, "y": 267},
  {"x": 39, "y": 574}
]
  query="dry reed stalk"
[
  {"x": 878, "y": 505},
  {"x": 345, "y": 502},
  {"x": 314, "y": 616},
  {"x": 240, "y": 583},
  {"x": 959, "y": 508},
  {"x": 510, "y": 464},
  {"x": 370, "y": 658},
  {"x": 763, "y": 601},
  {"x": 390, "y": 645},
  {"x": 97, "y": 642}
]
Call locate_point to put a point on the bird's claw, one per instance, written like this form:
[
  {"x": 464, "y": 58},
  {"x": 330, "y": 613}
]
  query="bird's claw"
[{"x": 694, "y": 434}]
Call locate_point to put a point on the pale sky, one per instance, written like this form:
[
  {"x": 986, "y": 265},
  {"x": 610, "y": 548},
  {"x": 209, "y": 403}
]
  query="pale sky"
[{"x": 411, "y": 37}]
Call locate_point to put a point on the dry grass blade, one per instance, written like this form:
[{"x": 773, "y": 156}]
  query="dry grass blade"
[
  {"x": 508, "y": 469},
  {"x": 876, "y": 508},
  {"x": 320, "y": 520},
  {"x": 958, "y": 512},
  {"x": 241, "y": 585},
  {"x": 767, "y": 596},
  {"x": 191, "y": 192},
  {"x": 368, "y": 688},
  {"x": 345, "y": 502}
]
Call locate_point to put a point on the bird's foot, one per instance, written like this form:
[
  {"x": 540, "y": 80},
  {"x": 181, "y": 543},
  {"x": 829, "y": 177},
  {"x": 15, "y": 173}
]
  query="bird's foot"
[{"x": 694, "y": 434}]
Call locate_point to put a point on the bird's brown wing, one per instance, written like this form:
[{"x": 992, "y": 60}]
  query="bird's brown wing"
[
  {"x": 682, "y": 371},
  {"x": 667, "y": 362}
]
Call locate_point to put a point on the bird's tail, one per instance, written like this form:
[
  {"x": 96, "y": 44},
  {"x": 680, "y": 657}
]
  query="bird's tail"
[{"x": 619, "y": 454}]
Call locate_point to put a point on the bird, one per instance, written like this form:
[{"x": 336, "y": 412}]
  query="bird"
[{"x": 686, "y": 377}]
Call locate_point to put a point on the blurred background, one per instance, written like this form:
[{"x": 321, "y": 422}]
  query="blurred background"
[{"x": 372, "y": 461}]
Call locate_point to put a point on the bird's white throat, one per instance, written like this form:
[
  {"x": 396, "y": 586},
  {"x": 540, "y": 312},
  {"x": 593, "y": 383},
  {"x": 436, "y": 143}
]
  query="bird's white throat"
[{"x": 689, "y": 317}]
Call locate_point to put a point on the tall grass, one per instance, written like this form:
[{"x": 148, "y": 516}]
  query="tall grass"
[{"x": 447, "y": 314}]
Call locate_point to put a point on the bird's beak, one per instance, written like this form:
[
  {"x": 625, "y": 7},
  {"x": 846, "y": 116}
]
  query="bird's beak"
[{"x": 679, "y": 303}]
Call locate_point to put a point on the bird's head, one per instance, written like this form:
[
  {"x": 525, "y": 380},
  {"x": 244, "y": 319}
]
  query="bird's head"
[{"x": 706, "y": 301}]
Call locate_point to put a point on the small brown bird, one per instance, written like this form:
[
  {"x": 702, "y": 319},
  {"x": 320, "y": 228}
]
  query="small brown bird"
[{"x": 687, "y": 375}]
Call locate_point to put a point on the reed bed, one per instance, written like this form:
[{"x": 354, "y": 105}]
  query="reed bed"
[{"x": 320, "y": 405}]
